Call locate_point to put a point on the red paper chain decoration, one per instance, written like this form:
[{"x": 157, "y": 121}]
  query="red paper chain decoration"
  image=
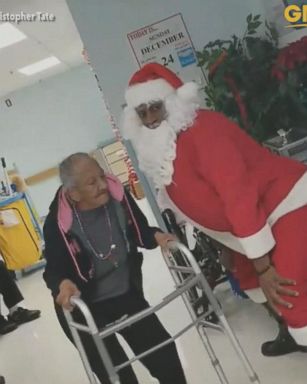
[{"x": 132, "y": 176}]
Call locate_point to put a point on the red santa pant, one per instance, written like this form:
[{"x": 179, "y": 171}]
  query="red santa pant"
[{"x": 290, "y": 259}]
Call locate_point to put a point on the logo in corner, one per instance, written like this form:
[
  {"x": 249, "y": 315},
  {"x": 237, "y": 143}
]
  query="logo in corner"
[{"x": 296, "y": 16}]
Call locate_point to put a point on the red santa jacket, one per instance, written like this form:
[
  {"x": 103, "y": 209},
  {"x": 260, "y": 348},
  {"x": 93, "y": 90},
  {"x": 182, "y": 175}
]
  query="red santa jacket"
[{"x": 232, "y": 188}]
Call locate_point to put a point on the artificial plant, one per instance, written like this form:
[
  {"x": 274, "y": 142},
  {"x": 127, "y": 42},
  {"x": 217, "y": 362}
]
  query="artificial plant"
[{"x": 251, "y": 81}]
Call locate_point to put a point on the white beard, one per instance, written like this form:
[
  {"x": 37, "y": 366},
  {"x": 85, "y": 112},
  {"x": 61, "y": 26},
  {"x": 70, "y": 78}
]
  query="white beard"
[
  {"x": 156, "y": 148},
  {"x": 156, "y": 151}
]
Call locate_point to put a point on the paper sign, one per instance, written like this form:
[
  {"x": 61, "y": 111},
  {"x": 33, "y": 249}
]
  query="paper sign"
[{"x": 167, "y": 42}]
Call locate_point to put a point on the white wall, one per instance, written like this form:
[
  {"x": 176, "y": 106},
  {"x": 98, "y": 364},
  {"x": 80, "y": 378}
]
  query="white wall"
[
  {"x": 49, "y": 121},
  {"x": 104, "y": 24}
]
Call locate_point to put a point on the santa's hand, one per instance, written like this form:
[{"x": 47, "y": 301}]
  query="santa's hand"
[
  {"x": 273, "y": 286},
  {"x": 163, "y": 238}
]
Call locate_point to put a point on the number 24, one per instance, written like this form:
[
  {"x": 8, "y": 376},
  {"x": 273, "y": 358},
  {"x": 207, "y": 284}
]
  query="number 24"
[{"x": 167, "y": 60}]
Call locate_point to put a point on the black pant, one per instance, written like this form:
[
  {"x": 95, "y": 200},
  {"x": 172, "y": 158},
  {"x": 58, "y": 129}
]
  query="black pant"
[
  {"x": 163, "y": 364},
  {"x": 8, "y": 288}
]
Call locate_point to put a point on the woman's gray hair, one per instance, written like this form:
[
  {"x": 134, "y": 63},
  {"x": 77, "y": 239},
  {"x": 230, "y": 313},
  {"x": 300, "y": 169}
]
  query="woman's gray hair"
[{"x": 66, "y": 168}]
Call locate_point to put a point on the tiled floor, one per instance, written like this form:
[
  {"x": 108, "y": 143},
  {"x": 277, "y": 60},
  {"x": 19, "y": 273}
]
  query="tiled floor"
[{"x": 39, "y": 353}]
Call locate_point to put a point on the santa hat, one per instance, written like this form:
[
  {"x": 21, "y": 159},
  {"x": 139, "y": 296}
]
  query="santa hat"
[{"x": 155, "y": 82}]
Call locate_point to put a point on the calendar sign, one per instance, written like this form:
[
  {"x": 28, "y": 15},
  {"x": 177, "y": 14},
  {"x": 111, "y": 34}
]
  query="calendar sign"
[{"x": 167, "y": 42}]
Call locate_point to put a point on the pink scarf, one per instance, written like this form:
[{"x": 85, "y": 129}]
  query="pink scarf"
[{"x": 65, "y": 215}]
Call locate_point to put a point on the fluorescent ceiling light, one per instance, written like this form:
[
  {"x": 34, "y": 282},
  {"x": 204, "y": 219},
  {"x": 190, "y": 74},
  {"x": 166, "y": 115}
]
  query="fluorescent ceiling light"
[
  {"x": 10, "y": 35},
  {"x": 39, "y": 66}
]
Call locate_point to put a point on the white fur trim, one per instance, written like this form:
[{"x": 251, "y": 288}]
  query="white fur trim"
[
  {"x": 151, "y": 90},
  {"x": 299, "y": 335},
  {"x": 189, "y": 91},
  {"x": 262, "y": 242},
  {"x": 258, "y": 244},
  {"x": 256, "y": 295},
  {"x": 296, "y": 198},
  {"x": 253, "y": 246}
]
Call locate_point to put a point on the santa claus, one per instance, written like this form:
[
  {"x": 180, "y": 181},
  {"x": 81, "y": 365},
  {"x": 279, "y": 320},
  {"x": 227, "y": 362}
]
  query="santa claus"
[{"x": 213, "y": 175}]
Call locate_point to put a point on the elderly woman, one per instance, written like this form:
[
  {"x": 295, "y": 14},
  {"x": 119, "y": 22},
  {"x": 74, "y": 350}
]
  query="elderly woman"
[{"x": 92, "y": 233}]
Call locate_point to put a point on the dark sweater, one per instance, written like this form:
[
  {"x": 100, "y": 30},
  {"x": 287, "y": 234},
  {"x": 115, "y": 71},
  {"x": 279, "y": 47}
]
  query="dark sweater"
[
  {"x": 111, "y": 275},
  {"x": 60, "y": 265}
]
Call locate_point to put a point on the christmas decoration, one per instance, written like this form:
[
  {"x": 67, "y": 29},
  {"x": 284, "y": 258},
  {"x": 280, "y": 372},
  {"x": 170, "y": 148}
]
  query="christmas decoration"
[
  {"x": 255, "y": 83},
  {"x": 133, "y": 180}
]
